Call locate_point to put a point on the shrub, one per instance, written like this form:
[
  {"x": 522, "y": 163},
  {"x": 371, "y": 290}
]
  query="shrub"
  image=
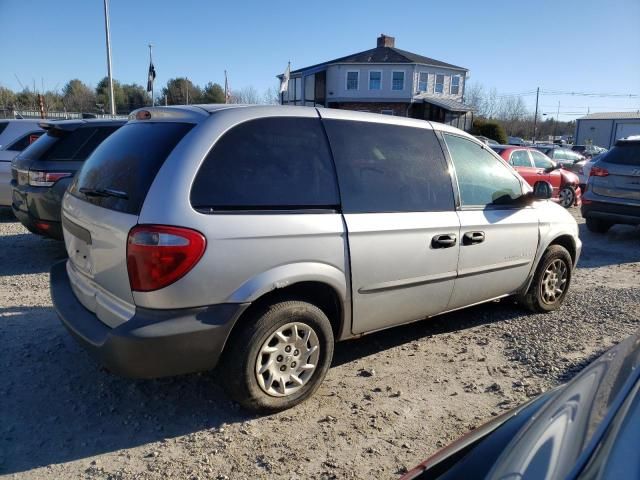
[{"x": 489, "y": 128}]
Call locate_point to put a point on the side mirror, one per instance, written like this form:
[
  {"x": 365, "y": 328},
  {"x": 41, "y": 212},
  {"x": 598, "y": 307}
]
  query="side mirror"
[{"x": 542, "y": 190}]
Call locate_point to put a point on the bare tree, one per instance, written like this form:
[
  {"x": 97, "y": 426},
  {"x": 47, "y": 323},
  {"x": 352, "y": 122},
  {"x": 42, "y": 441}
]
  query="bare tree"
[
  {"x": 247, "y": 95},
  {"x": 271, "y": 96}
]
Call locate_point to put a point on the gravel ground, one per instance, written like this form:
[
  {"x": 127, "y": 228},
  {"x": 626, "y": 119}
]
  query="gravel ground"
[{"x": 390, "y": 400}]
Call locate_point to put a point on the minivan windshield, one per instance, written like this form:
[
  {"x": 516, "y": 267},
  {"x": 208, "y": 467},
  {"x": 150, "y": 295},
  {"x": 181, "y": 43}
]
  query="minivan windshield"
[
  {"x": 126, "y": 165},
  {"x": 624, "y": 153}
]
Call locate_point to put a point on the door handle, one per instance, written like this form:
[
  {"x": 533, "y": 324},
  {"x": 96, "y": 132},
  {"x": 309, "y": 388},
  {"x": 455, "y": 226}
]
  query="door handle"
[
  {"x": 472, "y": 238},
  {"x": 445, "y": 240}
]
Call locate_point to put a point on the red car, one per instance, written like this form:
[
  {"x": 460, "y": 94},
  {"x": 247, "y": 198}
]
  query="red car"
[{"x": 534, "y": 165}]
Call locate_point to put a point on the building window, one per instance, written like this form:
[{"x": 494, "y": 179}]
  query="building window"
[
  {"x": 455, "y": 85},
  {"x": 439, "y": 83},
  {"x": 397, "y": 82},
  {"x": 375, "y": 80},
  {"x": 352, "y": 80},
  {"x": 423, "y": 80},
  {"x": 386, "y": 112}
]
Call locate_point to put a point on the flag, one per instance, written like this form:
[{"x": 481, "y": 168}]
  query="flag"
[
  {"x": 227, "y": 92},
  {"x": 284, "y": 81},
  {"x": 152, "y": 77}
]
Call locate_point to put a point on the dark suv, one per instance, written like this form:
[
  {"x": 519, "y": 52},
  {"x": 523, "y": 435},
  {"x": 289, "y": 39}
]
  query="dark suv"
[{"x": 43, "y": 171}]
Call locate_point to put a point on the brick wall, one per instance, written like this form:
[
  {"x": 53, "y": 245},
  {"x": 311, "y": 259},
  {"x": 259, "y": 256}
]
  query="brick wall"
[{"x": 399, "y": 109}]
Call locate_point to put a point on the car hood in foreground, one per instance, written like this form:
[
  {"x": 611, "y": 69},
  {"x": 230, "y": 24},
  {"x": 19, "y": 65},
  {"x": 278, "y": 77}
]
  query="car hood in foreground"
[{"x": 558, "y": 436}]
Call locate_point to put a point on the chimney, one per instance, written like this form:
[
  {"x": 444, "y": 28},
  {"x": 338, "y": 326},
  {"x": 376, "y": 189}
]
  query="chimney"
[{"x": 386, "y": 41}]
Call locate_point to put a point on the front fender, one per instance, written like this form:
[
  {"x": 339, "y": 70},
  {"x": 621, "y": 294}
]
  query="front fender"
[{"x": 285, "y": 275}]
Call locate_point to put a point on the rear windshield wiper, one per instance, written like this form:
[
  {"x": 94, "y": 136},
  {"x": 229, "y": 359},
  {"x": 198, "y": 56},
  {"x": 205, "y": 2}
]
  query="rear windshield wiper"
[{"x": 103, "y": 192}]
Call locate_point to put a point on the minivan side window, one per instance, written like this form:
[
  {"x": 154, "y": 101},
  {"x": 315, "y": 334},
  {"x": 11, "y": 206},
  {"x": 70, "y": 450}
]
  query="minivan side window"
[
  {"x": 268, "y": 163},
  {"x": 389, "y": 168},
  {"x": 482, "y": 179}
]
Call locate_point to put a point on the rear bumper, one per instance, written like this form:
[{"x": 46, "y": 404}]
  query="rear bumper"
[
  {"x": 154, "y": 343},
  {"x": 37, "y": 226},
  {"x": 612, "y": 212}
]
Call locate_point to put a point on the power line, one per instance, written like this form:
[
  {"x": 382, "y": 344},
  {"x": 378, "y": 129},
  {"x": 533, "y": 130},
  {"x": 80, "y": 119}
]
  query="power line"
[{"x": 591, "y": 94}]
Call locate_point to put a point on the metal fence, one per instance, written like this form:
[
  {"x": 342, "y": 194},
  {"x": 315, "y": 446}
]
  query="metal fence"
[{"x": 53, "y": 115}]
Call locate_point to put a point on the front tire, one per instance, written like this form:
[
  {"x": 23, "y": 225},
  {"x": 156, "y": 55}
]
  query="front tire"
[
  {"x": 551, "y": 281},
  {"x": 278, "y": 357},
  {"x": 567, "y": 196}
]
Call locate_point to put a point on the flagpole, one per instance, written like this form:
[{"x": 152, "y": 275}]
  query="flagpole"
[
  {"x": 226, "y": 88},
  {"x": 106, "y": 27},
  {"x": 151, "y": 63}
]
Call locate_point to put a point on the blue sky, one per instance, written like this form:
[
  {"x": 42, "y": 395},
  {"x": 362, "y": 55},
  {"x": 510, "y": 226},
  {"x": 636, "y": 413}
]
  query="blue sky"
[{"x": 515, "y": 46}]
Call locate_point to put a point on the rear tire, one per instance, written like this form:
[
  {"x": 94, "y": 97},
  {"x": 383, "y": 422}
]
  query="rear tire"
[
  {"x": 567, "y": 196},
  {"x": 551, "y": 281},
  {"x": 597, "y": 225},
  {"x": 266, "y": 365}
]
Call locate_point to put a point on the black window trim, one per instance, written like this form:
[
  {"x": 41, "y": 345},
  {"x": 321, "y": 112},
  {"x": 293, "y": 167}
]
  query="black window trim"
[{"x": 456, "y": 186}]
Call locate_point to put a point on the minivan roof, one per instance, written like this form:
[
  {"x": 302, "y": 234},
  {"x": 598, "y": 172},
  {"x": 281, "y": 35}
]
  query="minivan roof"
[{"x": 71, "y": 125}]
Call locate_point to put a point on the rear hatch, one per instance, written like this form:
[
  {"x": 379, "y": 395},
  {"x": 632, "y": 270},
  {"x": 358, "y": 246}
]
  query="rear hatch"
[
  {"x": 57, "y": 155},
  {"x": 103, "y": 204},
  {"x": 617, "y": 173}
]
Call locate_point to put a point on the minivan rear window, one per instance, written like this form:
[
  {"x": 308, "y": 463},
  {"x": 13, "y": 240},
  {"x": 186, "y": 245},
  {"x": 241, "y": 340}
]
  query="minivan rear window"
[
  {"x": 623, "y": 154},
  {"x": 274, "y": 163},
  {"x": 127, "y": 163}
]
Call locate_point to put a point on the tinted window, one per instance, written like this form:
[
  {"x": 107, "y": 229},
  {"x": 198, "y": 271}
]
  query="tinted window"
[
  {"x": 3, "y": 125},
  {"x": 482, "y": 178},
  {"x": 520, "y": 158},
  {"x": 76, "y": 145},
  {"x": 624, "y": 154},
  {"x": 540, "y": 160},
  {"x": 389, "y": 168},
  {"x": 24, "y": 142},
  {"x": 268, "y": 163},
  {"x": 127, "y": 162}
]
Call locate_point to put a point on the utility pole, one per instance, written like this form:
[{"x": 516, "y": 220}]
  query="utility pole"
[
  {"x": 108, "y": 35},
  {"x": 535, "y": 118},
  {"x": 151, "y": 63},
  {"x": 555, "y": 125}
]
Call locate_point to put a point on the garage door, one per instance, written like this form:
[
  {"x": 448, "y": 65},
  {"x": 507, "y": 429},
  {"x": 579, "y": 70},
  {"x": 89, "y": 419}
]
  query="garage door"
[{"x": 627, "y": 129}]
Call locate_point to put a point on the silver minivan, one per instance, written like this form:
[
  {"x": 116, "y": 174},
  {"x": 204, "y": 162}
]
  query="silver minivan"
[{"x": 254, "y": 237}]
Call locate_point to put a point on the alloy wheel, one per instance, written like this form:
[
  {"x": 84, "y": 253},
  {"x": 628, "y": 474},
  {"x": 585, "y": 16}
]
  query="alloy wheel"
[
  {"x": 554, "y": 281},
  {"x": 287, "y": 359}
]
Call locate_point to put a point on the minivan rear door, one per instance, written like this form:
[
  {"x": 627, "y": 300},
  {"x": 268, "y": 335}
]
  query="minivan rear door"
[
  {"x": 103, "y": 204},
  {"x": 403, "y": 231}
]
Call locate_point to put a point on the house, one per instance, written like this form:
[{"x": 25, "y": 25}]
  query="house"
[
  {"x": 603, "y": 129},
  {"x": 386, "y": 80}
]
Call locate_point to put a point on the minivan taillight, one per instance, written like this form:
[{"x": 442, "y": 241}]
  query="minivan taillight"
[
  {"x": 158, "y": 255},
  {"x": 39, "y": 178},
  {"x": 598, "y": 172}
]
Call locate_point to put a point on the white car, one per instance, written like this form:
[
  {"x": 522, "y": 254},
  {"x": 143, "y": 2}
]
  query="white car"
[{"x": 15, "y": 136}]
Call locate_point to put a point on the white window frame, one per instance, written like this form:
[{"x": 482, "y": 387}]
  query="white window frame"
[
  {"x": 426, "y": 82},
  {"x": 435, "y": 84},
  {"x": 459, "y": 77},
  {"x": 385, "y": 111},
  {"x": 404, "y": 80},
  {"x": 346, "y": 81},
  {"x": 369, "y": 82}
]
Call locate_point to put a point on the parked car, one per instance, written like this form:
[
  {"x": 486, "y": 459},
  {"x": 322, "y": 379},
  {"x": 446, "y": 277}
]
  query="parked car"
[
  {"x": 613, "y": 188},
  {"x": 534, "y": 166},
  {"x": 588, "y": 151},
  {"x": 515, "y": 141},
  {"x": 15, "y": 136},
  {"x": 583, "y": 169},
  {"x": 42, "y": 172},
  {"x": 486, "y": 140},
  {"x": 585, "y": 429},
  {"x": 255, "y": 237},
  {"x": 561, "y": 155}
]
